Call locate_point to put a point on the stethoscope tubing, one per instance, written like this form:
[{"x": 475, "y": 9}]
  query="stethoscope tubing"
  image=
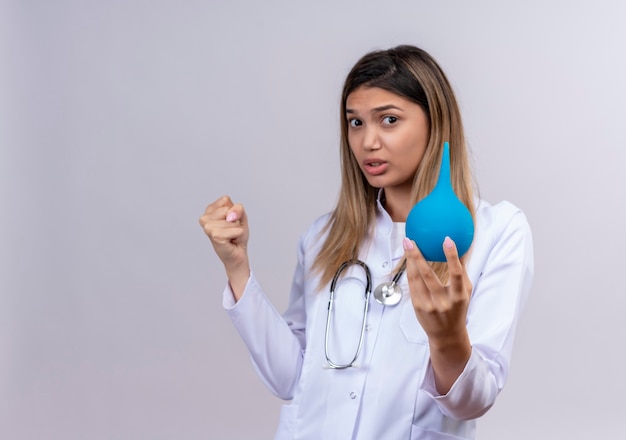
[
  {"x": 387, "y": 294},
  {"x": 368, "y": 291}
]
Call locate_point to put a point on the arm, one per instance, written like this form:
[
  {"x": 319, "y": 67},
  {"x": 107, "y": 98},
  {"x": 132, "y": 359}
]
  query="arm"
[
  {"x": 274, "y": 343},
  {"x": 441, "y": 310},
  {"x": 506, "y": 267}
]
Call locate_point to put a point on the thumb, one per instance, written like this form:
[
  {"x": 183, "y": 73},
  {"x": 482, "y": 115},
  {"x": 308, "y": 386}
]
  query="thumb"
[
  {"x": 236, "y": 213},
  {"x": 411, "y": 251},
  {"x": 412, "y": 254}
]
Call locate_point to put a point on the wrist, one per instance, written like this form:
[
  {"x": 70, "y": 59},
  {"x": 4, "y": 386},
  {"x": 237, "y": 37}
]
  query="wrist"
[
  {"x": 448, "y": 356},
  {"x": 238, "y": 277},
  {"x": 450, "y": 353},
  {"x": 450, "y": 342},
  {"x": 449, "y": 339}
]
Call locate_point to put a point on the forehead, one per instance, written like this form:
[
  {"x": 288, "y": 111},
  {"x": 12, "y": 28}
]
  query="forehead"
[{"x": 366, "y": 98}]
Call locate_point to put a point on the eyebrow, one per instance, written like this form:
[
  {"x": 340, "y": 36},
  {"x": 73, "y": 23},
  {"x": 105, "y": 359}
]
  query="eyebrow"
[{"x": 382, "y": 108}]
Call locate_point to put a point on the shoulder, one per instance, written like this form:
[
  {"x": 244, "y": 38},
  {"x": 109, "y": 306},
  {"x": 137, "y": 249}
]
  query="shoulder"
[
  {"x": 315, "y": 234},
  {"x": 500, "y": 216},
  {"x": 502, "y": 232}
]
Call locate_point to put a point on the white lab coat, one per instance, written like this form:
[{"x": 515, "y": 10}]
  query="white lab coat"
[{"x": 390, "y": 394}]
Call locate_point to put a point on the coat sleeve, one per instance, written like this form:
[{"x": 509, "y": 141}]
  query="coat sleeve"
[
  {"x": 276, "y": 343},
  {"x": 497, "y": 300}
]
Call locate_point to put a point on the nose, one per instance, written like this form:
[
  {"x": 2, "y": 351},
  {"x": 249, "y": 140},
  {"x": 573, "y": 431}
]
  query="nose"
[{"x": 371, "y": 140}]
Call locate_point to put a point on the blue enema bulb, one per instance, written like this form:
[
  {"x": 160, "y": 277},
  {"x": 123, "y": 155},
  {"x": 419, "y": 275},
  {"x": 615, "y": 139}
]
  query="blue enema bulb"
[{"x": 438, "y": 215}]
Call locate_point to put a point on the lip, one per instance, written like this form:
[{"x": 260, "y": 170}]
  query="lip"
[{"x": 375, "y": 166}]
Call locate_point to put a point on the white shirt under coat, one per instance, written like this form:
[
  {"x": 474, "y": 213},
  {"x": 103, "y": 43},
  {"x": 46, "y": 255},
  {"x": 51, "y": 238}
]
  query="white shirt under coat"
[{"x": 390, "y": 394}]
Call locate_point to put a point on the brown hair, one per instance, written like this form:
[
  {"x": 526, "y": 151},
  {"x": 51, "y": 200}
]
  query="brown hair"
[{"x": 412, "y": 73}]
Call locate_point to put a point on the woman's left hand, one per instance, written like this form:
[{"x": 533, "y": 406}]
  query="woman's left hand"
[{"x": 441, "y": 310}]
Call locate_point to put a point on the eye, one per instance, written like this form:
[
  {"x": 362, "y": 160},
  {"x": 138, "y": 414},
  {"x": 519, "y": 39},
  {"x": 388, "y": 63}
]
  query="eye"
[
  {"x": 355, "y": 122},
  {"x": 390, "y": 120}
]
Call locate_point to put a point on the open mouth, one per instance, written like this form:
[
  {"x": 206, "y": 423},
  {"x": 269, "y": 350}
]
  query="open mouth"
[{"x": 375, "y": 167}]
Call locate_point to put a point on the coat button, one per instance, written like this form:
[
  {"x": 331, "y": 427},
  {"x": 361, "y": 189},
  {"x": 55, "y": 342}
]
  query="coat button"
[
  {"x": 385, "y": 264},
  {"x": 352, "y": 395}
]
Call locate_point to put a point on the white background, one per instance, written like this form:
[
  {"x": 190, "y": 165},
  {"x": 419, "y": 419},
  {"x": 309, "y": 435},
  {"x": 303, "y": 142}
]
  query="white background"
[{"x": 120, "y": 120}]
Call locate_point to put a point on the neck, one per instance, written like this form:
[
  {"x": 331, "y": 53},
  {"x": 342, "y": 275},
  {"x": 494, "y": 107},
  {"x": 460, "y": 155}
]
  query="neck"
[{"x": 397, "y": 204}]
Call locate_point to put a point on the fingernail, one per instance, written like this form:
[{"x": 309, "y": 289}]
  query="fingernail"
[
  {"x": 231, "y": 217},
  {"x": 407, "y": 244},
  {"x": 448, "y": 243}
]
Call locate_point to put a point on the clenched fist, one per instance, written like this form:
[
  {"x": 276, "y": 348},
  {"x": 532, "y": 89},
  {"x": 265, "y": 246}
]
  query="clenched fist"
[{"x": 226, "y": 225}]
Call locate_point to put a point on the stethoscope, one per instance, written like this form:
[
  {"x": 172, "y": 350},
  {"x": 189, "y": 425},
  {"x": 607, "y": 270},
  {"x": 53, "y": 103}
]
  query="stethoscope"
[{"x": 387, "y": 294}]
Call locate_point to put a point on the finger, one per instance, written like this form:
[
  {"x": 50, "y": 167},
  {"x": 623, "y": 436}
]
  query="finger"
[
  {"x": 458, "y": 279},
  {"x": 456, "y": 272},
  {"x": 430, "y": 278},
  {"x": 219, "y": 204},
  {"x": 236, "y": 213},
  {"x": 419, "y": 291},
  {"x": 214, "y": 215},
  {"x": 221, "y": 234},
  {"x": 216, "y": 210}
]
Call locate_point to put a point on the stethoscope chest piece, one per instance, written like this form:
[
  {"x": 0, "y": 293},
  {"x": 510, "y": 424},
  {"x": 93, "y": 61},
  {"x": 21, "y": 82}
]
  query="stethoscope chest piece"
[{"x": 388, "y": 294}]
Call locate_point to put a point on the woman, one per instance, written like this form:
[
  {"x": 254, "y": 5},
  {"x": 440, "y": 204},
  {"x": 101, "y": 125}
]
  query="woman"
[{"x": 429, "y": 366}]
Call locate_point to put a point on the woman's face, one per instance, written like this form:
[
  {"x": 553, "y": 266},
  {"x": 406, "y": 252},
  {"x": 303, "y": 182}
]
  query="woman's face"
[{"x": 388, "y": 135}]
